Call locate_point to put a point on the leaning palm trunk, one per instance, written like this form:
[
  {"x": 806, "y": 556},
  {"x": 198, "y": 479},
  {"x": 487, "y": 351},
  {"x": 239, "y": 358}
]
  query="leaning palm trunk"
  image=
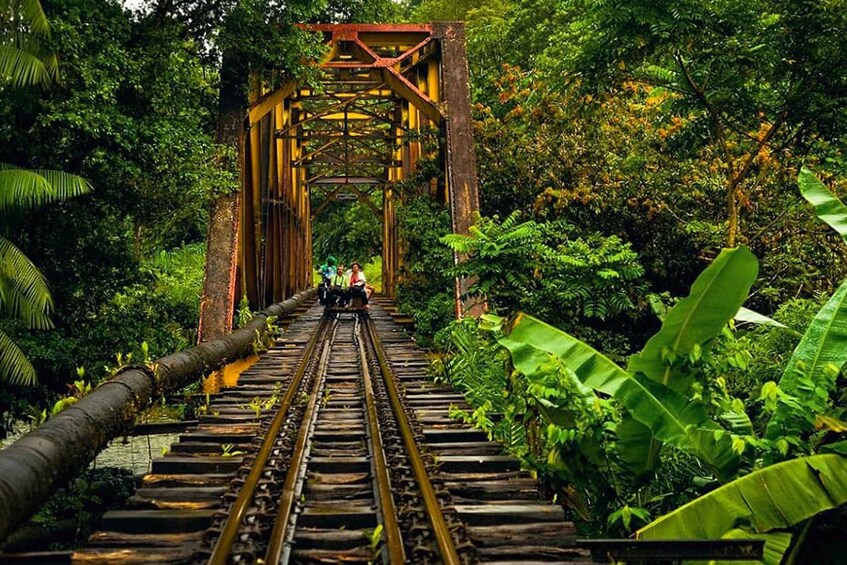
[{"x": 33, "y": 467}]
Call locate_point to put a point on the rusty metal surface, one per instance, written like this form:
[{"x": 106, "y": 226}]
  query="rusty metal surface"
[
  {"x": 393, "y": 537},
  {"x": 674, "y": 551},
  {"x": 288, "y": 495},
  {"x": 443, "y": 536},
  {"x": 462, "y": 180}
]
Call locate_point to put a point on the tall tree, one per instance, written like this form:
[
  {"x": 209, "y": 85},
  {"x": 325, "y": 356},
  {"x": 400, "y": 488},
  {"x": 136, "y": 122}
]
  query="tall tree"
[{"x": 757, "y": 78}]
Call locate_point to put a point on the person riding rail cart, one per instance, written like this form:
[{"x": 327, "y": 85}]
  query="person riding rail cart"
[
  {"x": 338, "y": 289},
  {"x": 359, "y": 291},
  {"x": 327, "y": 270}
]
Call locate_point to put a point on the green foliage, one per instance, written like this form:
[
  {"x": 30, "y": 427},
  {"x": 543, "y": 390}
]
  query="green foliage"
[
  {"x": 827, "y": 206},
  {"x": 243, "y": 314},
  {"x": 770, "y": 348},
  {"x": 374, "y": 537},
  {"x": 472, "y": 362},
  {"x": 771, "y": 499},
  {"x": 133, "y": 115},
  {"x": 668, "y": 415},
  {"x": 694, "y": 321},
  {"x": 349, "y": 232},
  {"x": 602, "y": 428},
  {"x": 178, "y": 273},
  {"x": 547, "y": 418},
  {"x": 637, "y": 160},
  {"x": 24, "y": 294},
  {"x": 425, "y": 290},
  {"x": 24, "y": 33},
  {"x": 227, "y": 450},
  {"x": 83, "y": 502},
  {"x": 539, "y": 268}
]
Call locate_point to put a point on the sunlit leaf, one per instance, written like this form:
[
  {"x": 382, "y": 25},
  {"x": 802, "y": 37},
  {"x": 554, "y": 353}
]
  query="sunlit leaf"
[
  {"x": 715, "y": 298},
  {"x": 823, "y": 344},
  {"x": 827, "y": 206},
  {"x": 774, "y": 498}
]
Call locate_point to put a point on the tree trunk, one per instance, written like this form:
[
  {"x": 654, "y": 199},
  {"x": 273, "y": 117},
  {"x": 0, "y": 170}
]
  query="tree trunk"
[{"x": 218, "y": 301}]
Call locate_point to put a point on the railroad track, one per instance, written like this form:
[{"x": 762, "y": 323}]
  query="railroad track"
[{"x": 335, "y": 447}]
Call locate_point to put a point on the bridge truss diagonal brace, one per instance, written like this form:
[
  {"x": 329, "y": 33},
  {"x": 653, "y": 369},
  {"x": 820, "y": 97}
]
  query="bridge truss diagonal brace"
[{"x": 410, "y": 92}]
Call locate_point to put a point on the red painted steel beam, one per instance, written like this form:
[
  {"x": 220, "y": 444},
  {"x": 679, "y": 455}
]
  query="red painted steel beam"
[{"x": 370, "y": 28}]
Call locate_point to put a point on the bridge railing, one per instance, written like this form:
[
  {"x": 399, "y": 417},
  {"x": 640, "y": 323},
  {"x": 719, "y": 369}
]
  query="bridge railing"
[{"x": 36, "y": 465}]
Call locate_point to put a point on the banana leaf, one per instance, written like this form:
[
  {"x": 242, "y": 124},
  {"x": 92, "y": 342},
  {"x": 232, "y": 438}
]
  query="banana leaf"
[
  {"x": 715, "y": 297},
  {"x": 824, "y": 343},
  {"x": 670, "y": 416},
  {"x": 776, "y": 544},
  {"x": 839, "y": 447},
  {"x": 771, "y": 499},
  {"x": 827, "y": 206},
  {"x": 636, "y": 447},
  {"x": 747, "y": 316}
]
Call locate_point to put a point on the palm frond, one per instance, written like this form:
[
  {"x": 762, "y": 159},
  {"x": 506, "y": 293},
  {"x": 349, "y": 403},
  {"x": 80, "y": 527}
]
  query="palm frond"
[
  {"x": 21, "y": 68},
  {"x": 64, "y": 185},
  {"x": 15, "y": 368},
  {"x": 22, "y": 188},
  {"x": 30, "y": 14},
  {"x": 24, "y": 293}
]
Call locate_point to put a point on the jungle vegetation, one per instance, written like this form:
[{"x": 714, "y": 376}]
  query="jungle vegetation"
[{"x": 660, "y": 241}]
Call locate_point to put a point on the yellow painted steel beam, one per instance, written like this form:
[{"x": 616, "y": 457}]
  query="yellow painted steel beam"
[
  {"x": 349, "y": 116},
  {"x": 308, "y": 93},
  {"x": 362, "y": 52},
  {"x": 432, "y": 81},
  {"x": 395, "y": 39},
  {"x": 270, "y": 101},
  {"x": 333, "y": 108}
]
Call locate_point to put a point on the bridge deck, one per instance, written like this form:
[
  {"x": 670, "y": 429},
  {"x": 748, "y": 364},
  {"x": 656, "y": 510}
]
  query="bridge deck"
[{"x": 493, "y": 509}]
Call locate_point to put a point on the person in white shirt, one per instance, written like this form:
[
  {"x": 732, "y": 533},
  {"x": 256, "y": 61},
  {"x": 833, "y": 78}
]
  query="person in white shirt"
[{"x": 358, "y": 284}]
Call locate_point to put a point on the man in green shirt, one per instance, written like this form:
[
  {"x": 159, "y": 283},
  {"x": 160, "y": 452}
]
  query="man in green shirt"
[{"x": 326, "y": 270}]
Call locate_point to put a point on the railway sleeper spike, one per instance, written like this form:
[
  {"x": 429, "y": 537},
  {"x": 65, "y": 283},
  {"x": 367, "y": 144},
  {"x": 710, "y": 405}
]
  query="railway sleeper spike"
[
  {"x": 424, "y": 549},
  {"x": 465, "y": 544},
  {"x": 251, "y": 530},
  {"x": 264, "y": 501},
  {"x": 452, "y": 515},
  {"x": 420, "y": 525},
  {"x": 410, "y": 495},
  {"x": 267, "y": 486},
  {"x": 243, "y": 556},
  {"x": 437, "y": 481},
  {"x": 414, "y": 508}
]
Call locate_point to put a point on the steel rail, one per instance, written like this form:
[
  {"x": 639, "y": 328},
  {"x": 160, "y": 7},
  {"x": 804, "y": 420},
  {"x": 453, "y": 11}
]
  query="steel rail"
[
  {"x": 223, "y": 546},
  {"x": 443, "y": 538},
  {"x": 393, "y": 537},
  {"x": 276, "y": 543}
]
